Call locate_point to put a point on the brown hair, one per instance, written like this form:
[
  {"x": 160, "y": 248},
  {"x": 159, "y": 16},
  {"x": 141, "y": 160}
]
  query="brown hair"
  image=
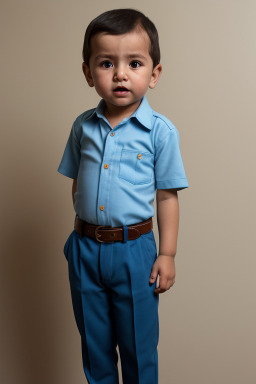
[{"x": 118, "y": 22}]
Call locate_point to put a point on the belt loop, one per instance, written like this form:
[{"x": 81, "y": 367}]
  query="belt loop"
[{"x": 125, "y": 229}]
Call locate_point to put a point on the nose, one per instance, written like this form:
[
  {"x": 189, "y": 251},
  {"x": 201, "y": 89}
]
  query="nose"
[{"x": 120, "y": 74}]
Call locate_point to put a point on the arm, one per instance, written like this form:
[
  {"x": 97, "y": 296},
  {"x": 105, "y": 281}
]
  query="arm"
[
  {"x": 167, "y": 220},
  {"x": 168, "y": 223},
  {"x": 74, "y": 190}
]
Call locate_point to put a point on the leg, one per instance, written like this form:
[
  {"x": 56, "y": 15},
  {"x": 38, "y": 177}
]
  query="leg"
[
  {"x": 93, "y": 311},
  {"x": 136, "y": 309}
]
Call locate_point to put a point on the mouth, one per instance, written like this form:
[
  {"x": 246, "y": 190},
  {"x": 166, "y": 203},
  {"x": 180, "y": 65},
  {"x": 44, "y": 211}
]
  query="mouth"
[{"x": 121, "y": 90}]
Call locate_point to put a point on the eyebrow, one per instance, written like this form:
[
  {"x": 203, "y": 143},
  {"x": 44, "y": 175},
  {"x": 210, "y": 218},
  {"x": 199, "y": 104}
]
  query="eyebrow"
[{"x": 133, "y": 55}]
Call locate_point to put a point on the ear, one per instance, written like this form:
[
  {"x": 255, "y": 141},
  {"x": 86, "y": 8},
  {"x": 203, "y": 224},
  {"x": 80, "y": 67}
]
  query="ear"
[
  {"x": 155, "y": 75},
  {"x": 87, "y": 74}
]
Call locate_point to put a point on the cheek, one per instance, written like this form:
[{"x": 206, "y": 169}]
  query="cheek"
[
  {"x": 142, "y": 76},
  {"x": 142, "y": 82},
  {"x": 102, "y": 78}
]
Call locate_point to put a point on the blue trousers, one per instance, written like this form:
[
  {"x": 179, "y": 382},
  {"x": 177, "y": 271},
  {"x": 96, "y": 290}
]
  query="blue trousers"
[{"x": 114, "y": 304}]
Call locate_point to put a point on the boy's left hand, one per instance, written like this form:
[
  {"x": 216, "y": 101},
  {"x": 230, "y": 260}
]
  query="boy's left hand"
[{"x": 164, "y": 266}]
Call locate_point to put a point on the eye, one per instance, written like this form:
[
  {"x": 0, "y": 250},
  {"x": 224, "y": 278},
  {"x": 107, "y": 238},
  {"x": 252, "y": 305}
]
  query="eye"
[
  {"x": 135, "y": 64},
  {"x": 106, "y": 64}
]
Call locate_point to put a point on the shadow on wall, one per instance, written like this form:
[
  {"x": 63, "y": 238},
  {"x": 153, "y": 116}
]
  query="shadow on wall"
[{"x": 38, "y": 328}]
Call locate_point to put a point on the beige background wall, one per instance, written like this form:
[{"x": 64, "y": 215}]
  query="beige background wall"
[{"x": 208, "y": 90}]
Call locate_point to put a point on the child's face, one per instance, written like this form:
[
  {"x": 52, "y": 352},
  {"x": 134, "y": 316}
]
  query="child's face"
[{"x": 121, "y": 60}]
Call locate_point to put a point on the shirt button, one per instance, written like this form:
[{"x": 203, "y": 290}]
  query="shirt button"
[
  {"x": 106, "y": 166},
  {"x": 112, "y": 133},
  {"x": 102, "y": 207},
  {"x": 139, "y": 156}
]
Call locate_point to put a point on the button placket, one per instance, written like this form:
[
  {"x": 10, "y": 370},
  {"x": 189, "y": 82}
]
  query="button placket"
[{"x": 103, "y": 214}]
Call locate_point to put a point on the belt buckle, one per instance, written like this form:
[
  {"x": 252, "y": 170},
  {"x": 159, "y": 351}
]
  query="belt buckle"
[{"x": 97, "y": 235}]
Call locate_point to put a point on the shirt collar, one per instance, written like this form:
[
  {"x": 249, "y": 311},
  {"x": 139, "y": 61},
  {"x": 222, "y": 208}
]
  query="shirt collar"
[{"x": 143, "y": 113}]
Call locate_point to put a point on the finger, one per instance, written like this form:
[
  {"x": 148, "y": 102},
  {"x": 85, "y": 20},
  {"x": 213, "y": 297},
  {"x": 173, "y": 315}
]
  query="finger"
[
  {"x": 163, "y": 287},
  {"x": 159, "y": 290},
  {"x": 153, "y": 276}
]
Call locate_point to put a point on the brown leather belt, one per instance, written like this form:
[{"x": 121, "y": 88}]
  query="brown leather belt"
[{"x": 108, "y": 234}]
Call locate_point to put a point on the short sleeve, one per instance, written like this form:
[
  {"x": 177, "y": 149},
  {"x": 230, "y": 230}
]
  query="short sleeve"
[
  {"x": 169, "y": 169},
  {"x": 70, "y": 161}
]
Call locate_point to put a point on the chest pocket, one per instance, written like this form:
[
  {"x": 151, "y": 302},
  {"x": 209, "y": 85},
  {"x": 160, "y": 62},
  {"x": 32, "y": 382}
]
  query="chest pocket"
[{"x": 136, "y": 167}]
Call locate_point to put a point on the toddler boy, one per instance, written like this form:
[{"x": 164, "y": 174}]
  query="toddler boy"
[{"x": 118, "y": 155}]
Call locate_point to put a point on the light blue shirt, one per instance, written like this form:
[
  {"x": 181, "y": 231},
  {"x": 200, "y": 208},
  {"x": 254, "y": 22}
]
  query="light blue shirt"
[{"x": 118, "y": 169}]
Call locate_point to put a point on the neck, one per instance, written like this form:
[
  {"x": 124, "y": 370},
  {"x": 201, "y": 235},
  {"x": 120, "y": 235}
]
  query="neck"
[{"x": 114, "y": 112}]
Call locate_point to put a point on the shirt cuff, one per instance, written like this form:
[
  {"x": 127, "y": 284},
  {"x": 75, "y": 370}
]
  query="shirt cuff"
[{"x": 174, "y": 183}]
